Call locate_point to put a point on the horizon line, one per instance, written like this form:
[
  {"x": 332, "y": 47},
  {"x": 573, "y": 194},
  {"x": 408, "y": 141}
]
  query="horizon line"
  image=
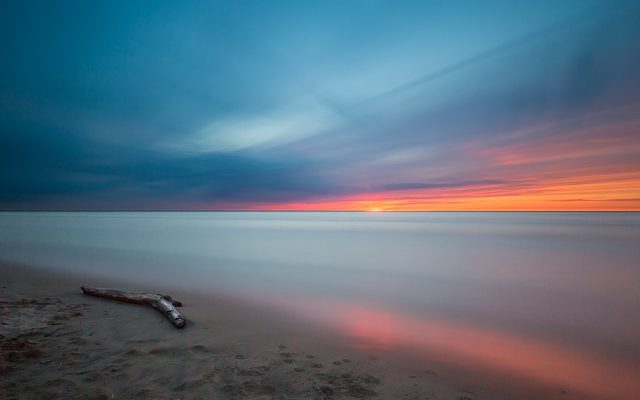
[{"x": 335, "y": 211}]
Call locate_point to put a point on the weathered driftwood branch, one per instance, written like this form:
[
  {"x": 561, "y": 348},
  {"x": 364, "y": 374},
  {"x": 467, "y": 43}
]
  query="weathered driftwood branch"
[{"x": 164, "y": 304}]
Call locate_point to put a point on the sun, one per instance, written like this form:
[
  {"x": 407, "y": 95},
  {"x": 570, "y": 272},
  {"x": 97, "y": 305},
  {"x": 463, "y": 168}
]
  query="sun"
[{"x": 375, "y": 209}]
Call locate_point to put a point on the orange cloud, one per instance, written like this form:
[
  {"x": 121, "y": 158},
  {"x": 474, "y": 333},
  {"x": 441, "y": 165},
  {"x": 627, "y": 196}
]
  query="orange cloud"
[{"x": 591, "y": 164}]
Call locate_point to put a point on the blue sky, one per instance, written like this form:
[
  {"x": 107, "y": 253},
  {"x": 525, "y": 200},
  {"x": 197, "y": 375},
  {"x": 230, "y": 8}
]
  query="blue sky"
[{"x": 313, "y": 105}]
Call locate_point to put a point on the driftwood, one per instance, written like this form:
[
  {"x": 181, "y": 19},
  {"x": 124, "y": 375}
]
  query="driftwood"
[{"x": 164, "y": 304}]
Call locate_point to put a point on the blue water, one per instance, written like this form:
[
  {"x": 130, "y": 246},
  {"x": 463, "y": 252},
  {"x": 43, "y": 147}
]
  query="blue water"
[{"x": 505, "y": 285}]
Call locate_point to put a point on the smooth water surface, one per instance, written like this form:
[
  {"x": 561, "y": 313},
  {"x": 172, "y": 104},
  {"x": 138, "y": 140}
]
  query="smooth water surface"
[{"x": 552, "y": 297}]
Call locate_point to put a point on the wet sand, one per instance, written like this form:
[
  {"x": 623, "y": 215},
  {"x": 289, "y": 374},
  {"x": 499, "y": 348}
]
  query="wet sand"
[{"x": 56, "y": 343}]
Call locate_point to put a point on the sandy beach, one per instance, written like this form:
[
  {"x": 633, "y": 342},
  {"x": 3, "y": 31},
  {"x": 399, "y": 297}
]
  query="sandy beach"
[{"x": 59, "y": 344}]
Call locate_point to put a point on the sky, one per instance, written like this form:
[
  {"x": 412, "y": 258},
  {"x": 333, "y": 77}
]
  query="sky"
[{"x": 336, "y": 105}]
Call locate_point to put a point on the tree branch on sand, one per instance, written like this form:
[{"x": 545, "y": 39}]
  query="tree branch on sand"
[{"x": 163, "y": 303}]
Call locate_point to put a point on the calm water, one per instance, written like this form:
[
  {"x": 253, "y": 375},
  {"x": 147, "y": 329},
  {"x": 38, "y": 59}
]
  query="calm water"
[{"x": 554, "y": 297}]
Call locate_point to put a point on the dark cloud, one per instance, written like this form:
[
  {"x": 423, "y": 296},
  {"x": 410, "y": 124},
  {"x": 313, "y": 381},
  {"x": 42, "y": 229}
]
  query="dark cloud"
[{"x": 95, "y": 169}]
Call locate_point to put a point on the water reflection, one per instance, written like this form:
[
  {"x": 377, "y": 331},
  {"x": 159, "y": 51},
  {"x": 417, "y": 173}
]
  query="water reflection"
[{"x": 475, "y": 347}]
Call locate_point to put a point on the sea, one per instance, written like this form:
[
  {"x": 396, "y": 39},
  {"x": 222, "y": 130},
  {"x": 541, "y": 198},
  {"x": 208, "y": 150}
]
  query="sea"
[{"x": 550, "y": 296}]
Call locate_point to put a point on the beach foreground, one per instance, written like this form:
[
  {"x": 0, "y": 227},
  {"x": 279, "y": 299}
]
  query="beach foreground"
[{"x": 57, "y": 343}]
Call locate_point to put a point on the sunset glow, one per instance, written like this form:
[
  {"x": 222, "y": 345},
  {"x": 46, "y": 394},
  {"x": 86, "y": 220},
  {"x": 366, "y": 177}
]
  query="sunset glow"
[{"x": 526, "y": 107}]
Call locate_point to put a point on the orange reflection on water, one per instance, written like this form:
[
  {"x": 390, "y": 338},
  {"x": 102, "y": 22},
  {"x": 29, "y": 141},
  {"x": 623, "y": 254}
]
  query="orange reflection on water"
[
  {"x": 468, "y": 345},
  {"x": 474, "y": 347},
  {"x": 371, "y": 329}
]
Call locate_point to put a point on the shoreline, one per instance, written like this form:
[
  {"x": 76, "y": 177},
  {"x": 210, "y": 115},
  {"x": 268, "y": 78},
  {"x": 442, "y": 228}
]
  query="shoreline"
[{"x": 58, "y": 343}]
